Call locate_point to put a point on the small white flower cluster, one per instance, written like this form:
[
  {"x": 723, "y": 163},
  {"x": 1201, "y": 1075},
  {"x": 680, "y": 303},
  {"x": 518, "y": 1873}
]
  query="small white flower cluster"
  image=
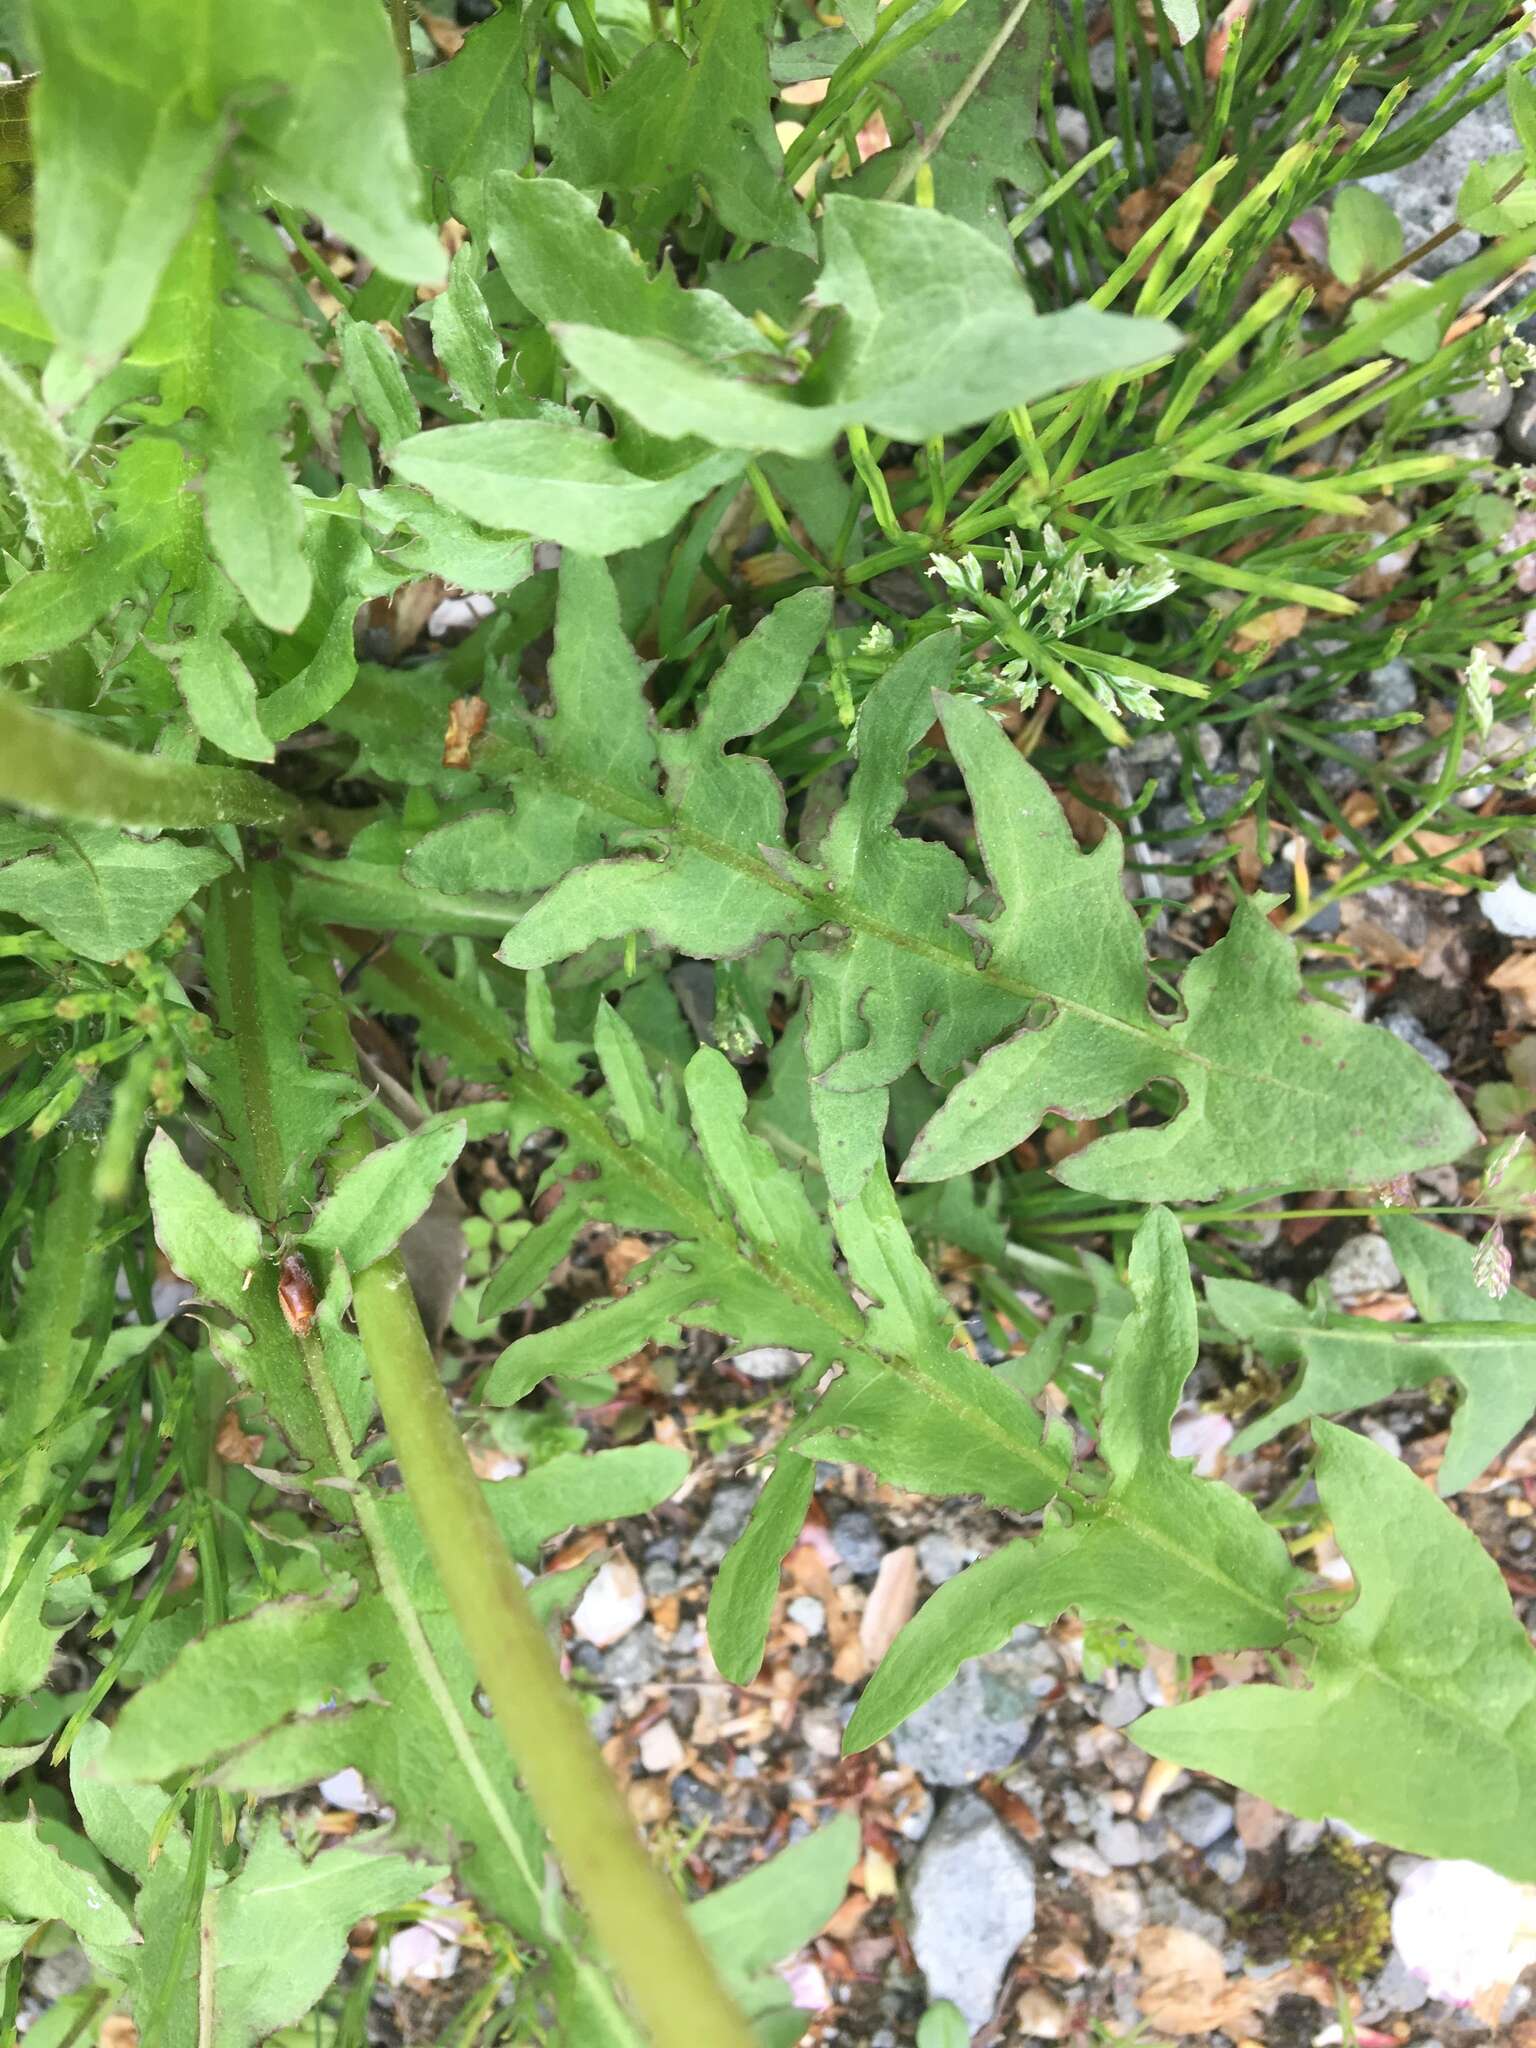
[{"x": 1059, "y": 596}]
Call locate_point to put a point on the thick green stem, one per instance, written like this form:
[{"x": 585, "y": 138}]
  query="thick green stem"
[
  {"x": 49, "y": 765},
  {"x": 635, "y": 1913}
]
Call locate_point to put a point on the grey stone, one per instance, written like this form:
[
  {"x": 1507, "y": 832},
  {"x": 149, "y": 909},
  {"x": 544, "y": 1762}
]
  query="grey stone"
[
  {"x": 809, "y": 1613},
  {"x": 1198, "y": 1817},
  {"x": 1101, "y": 65},
  {"x": 59, "y": 1975},
  {"x": 1123, "y": 1845},
  {"x": 1360, "y": 105},
  {"x": 1362, "y": 1265},
  {"x": 1227, "y": 1860},
  {"x": 972, "y": 1903},
  {"x": 1303, "y": 1835},
  {"x": 1485, "y": 404},
  {"x": 1209, "y": 745},
  {"x": 659, "y": 1578},
  {"x": 1520, "y": 427},
  {"x": 1399, "y": 912},
  {"x": 1150, "y": 1686},
  {"x": 1395, "y": 1991},
  {"x": 1478, "y": 445},
  {"x": 1156, "y": 754},
  {"x": 977, "y": 1724},
  {"x": 940, "y": 1556},
  {"x": 1168, "y": 1907},
  {"x": 1072, "y": 127},
  {"x": 858, "y": 1543},
  {"x": 634, "y": 1661},
  {"x": 769, "y": 1362},
  {"x": 1510, "y": 908},
  {"x": 1403, "y": 1024},
  {"x": 1423, "y": 193},
  {"x": 1119, "y": 1910},
  {"x": 727, "y": 1517},
  {"x": 1122, "y": 1706},
  {"x": 1080, "y": 1858},
  {"x": 1392, "y": 688}
]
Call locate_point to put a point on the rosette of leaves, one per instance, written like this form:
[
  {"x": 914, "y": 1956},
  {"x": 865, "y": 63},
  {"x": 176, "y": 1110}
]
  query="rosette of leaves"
[{"x": 1040, "y": 977}]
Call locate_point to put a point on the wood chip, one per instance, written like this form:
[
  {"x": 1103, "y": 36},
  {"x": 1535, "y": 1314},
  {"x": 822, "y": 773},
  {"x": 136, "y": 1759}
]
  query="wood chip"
[{"x": 1155, "y": 1786}]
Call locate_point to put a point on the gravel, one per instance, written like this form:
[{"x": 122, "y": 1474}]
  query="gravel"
[
  {"x": 1122, "y": 1706},
  {"x": 1123, "y": 1845},
  {"x": 1423, "y": 194},
  {"x": 769, "y": 1362},
  {"x": 978, "y": 1723},
  {"x": 1198, "y": 1817},
  {"x": 972, "y": 1903},
  {"x": 1362, "y": 1266},
  {"x": 1403, "y": 1024},
  {"x": 727, "y": 1517},
  {"x": 858, "y": 1543},
  {"x": 941, "y": 1556},
  {"x": 1391, "y": 688}
]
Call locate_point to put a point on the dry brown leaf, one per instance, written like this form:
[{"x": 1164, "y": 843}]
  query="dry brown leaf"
[
  {"x": 650, "y": 1802},
  {"x": 447, "y": 36},
  {"x": 621, "y": 1258},
  {"x": 1469, "y": 861},
  {"x": 1515, "y": 981},
  {"x": 1244, "y": 835},
  {"x": 1185, "y": 1989},
  {"x": 231, "y": 1442},
  {"x": 466, "y": 722},
  {"x": 1062, "y": 1140},
  {"x": 1384, "y": 1308},
  {"x": 892, "y": 1600},
  {"x": 1268, "y": 630},
  {"x": 1064, "y": 1961}
]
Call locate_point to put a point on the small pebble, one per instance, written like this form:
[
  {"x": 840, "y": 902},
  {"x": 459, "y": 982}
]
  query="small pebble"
[
  {"x": 1121, "y": 1844},
  {"x": 1118, "y": 1910},
  {"x": 1362, "y": 1265},
  {"x": 941, "y": 1556},
  {"x": 1079, "y": 1858},
  {"x": 1404, "y": 1025},
  {"x": 858, "y": 1543},
  {"x": 661, "y": 1747},
  {"x": 1198, "y": 1817},
  {"x": 769, "y": 1362},
  {"x": 1122, "y": 1706},
  {"x": 1227, "y": 1860},
  {"x": 613, "y": 1604},
  {"x": 808, "y": 1613}
]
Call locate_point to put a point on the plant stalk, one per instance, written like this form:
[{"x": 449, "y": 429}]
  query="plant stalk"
[{"x": 637, "y": 1916}]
